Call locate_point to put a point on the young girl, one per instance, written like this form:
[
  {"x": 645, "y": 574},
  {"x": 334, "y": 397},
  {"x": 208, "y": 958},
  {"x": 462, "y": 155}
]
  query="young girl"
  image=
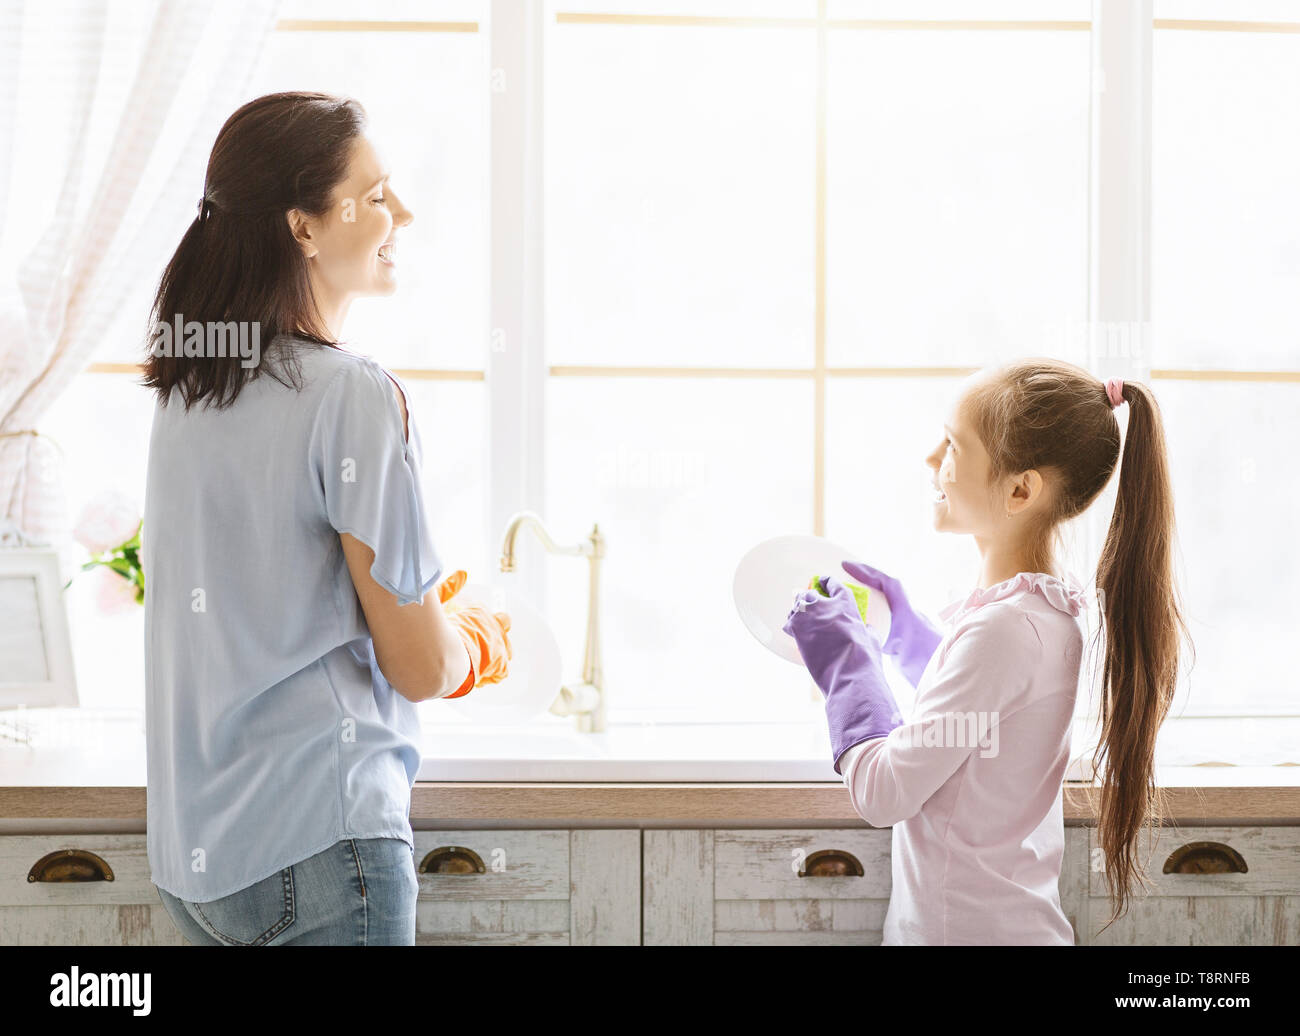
[{"x": 972, "y": 785}]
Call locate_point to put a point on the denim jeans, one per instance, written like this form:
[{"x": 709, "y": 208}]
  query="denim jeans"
[{"x": 358, "y": 892}]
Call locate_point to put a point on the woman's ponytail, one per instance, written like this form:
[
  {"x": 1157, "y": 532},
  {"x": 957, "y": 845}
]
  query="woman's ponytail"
[{"x": 1142, "y": 624}]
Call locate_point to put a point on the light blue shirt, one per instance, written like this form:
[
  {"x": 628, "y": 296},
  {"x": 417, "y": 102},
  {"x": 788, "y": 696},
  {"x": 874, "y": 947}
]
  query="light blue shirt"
[{"x": 271, "y": 732}]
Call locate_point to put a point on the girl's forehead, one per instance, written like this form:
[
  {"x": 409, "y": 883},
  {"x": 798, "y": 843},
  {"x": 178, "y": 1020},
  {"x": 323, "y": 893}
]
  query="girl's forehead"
[{"x": 958, "y": 404}]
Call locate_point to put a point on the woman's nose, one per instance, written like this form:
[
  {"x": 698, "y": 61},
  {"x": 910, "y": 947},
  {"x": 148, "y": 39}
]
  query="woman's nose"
[{"x": 401, "y": 214}]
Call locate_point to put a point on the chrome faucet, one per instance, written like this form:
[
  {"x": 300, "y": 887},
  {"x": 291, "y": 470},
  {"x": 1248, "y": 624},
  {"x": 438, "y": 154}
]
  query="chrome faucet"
[{"x": 584, "y": 700}]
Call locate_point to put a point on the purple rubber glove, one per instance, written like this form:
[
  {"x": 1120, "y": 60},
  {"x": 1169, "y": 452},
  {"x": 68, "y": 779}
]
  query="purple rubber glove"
[
  {"x": 912, "y": 637},
  {"x": 843, "y": 656}
]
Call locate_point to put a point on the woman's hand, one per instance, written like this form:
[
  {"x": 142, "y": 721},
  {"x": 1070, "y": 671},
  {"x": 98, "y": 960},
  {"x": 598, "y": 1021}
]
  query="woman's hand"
[
  {"x": 843, "y": 656},
  {"x": 450, "y": 586},
  {"x": 484, "y": 633},
  {"x": 912, "y": 637}
]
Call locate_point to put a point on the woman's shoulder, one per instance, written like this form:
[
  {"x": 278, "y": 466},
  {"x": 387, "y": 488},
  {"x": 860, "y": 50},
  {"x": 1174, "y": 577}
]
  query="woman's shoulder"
[{"x": 327, "y": 370}]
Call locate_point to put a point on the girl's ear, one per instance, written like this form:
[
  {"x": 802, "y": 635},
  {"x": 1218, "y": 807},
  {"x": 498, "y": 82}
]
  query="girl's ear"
[
  {"x": 300, "y": 227},
  {"x": 1025, "y": 490}
]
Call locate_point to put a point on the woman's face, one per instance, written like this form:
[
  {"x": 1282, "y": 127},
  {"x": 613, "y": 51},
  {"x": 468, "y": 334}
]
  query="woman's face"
[{"x": 355, "y": 243}]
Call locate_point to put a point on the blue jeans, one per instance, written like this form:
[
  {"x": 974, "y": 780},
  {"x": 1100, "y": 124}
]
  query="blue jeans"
[{"x": 358, "y": 892}]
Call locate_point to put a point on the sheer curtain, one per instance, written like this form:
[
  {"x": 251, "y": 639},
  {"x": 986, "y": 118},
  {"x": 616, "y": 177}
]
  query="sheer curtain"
[{"x": 108, "y": 110}]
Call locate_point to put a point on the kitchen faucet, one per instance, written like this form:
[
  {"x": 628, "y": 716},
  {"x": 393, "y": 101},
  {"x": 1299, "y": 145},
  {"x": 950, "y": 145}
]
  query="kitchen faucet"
[{"x": 584, "y": 700}]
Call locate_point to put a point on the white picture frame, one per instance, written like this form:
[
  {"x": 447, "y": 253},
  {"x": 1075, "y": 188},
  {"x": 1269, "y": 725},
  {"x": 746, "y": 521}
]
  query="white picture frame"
[{"x": 36, "y": 663}]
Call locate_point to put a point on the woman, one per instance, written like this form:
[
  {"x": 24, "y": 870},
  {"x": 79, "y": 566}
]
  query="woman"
[{"x": 292, "y": 620}]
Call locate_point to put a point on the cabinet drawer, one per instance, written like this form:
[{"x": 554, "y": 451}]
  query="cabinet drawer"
[
  {"x": 766, "y": 864},
  {"x": 517, "y": 865},
  {"x": 123, "y": 856},
  {"x": 124, "y": 911},
  {"x": 743, "y": 887},
  {"x": 541, "y": 888},
  {"x": 1254, "y": 902},
  {"x": 1270, "y": 857}
]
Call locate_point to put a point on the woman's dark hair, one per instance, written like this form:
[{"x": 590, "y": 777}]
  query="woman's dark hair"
[
  {"x": 239, "y": 260},
  {"x": 1055, "y": 417}
]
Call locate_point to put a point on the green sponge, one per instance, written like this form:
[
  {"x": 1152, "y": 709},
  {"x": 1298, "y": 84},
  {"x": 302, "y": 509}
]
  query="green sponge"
[{"x": 860, "y": 593}]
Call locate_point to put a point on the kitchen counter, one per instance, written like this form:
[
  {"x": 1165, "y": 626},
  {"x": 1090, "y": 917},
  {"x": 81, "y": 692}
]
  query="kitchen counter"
[{"x": 88, "y": 767}]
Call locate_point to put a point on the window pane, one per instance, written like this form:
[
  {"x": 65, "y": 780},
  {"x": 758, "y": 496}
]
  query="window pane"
[
  {"x": 683, "y": 477},
  {"x": 434, "y": 139},
  {"x": 957, "y": 194},
  {"x": 1236, "y": 508},
  {"x": 679, "y": 195},
  {"x": 1234, "y": 10},
  {"x": 985, "y": 10},
  {"x": 1225, "y": 210},
  {"x": 452, "y": 417},
  {"x": 878, "y": 487},
  {"x": 101, "y": 424},
  {"x": 386, "y": 10},
  {"x": 724, "y": 8}
]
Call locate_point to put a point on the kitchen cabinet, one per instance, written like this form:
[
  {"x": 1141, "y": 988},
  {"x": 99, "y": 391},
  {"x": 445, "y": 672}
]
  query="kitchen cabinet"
[
  {"x": 816, "y": 887},
  {"x": 1209, "y": 886},
  {"x": 542, "y": 888},
  {"x": 1226, "y": 886},
  {"x": 477, "y": 887},
  {"x": 717, "y": 886},
  {"x": 96, "y": 892}
]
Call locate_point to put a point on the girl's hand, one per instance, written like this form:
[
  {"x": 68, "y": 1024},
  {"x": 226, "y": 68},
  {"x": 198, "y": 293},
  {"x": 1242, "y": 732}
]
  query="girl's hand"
[
  {"x": 912, "y": 637},
  {"x": 843, "y": 656}
]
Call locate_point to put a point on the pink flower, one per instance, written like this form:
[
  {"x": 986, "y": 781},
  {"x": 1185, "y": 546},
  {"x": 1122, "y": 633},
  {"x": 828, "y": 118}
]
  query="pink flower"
[
  {"x": 114, "y": 593},
  {"x": 107, "y": 521}
]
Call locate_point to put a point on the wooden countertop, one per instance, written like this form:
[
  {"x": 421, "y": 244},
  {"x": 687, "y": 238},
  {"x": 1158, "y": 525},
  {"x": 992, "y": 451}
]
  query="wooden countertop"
[
  {"x": 1195, "y": 795},
  {"x": 94, "y": 771}
]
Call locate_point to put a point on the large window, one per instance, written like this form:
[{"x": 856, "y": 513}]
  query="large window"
[
  {"x": 708, "y": 272},
  {"x": 1225, "y": 280},
  {"x": 776, "y": 240}
]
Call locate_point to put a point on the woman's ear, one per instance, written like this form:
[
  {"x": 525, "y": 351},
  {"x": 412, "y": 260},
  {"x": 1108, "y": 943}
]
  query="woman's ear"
[{"x": 300, "y": 227}]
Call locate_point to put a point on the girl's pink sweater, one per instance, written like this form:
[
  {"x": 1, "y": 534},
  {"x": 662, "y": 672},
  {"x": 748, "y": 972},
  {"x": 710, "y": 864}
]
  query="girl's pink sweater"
[{"x": 972, "y": 785}]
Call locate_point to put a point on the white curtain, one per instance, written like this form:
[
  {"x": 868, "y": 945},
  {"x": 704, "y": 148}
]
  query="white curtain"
[{"x": 108, "y": 111}]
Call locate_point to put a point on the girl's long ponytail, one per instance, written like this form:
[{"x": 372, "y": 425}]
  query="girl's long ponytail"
[{"x": 1142, "y": 624}]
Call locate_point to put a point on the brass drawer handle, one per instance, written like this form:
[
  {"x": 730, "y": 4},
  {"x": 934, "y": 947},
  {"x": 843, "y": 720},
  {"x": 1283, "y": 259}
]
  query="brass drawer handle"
[
  {"x": 70, "y": 865},
  {"x": 831, "y": 863},
  {"x": 452, "y": 859},
  {"x": 1205, "y": 858}
]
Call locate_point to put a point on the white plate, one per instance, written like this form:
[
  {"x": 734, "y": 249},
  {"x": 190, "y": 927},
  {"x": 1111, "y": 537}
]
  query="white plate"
[
  {"x": 770, "y": 575},
  {"x": 533, "y": 679}
]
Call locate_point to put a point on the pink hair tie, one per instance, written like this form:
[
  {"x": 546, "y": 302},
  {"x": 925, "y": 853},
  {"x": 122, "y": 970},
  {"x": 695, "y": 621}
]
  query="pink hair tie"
[{"x": 1115, "y": 391}]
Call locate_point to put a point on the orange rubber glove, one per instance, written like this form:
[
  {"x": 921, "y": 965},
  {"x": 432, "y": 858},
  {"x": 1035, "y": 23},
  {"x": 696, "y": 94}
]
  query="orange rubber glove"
[{"x": 484, "y": 635}]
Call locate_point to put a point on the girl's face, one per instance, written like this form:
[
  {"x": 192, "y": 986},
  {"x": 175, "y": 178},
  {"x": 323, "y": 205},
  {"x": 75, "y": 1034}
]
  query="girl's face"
[
  {"x": 352, "y": 250},
  {"x": 963, "y": 502}
]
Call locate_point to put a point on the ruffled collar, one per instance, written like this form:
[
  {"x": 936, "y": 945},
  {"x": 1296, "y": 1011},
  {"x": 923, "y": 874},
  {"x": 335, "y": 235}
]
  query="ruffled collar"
[{"x": 1065, "y": 595}]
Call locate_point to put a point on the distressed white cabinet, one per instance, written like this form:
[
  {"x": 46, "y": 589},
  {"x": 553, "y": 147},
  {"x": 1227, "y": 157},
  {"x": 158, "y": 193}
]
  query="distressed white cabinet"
[
  {"x": 1226, "y": 886},
  {"x": 543, "y": 888},
  {"x": 111, "y": 902},
  {"x": 1209, "y": 886},
  {"x": 534, "y": 887},
  {"x": 817, "y": 887}
]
